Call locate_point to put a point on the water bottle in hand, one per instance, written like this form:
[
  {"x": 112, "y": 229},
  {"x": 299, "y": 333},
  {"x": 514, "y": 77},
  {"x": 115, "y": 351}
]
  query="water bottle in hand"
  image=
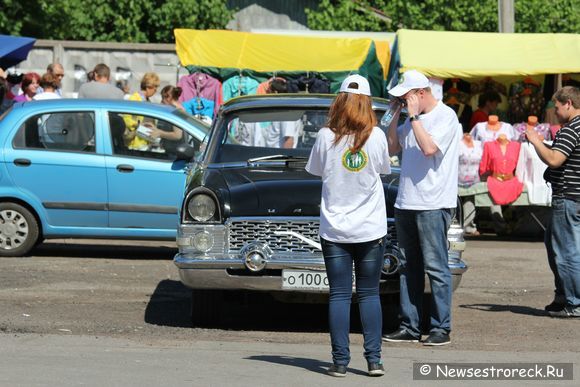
[{"x": 394, "y": 108}]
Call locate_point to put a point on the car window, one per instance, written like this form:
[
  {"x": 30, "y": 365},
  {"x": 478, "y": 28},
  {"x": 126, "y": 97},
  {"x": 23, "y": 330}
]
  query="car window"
[
  {"x": 70, "y": 131},
  {"x": 267, "y": 132},
  {"x": 147, "y": 137}
]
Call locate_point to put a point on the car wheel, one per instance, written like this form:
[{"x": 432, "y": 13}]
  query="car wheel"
[
  {"x": 206, "y": 307},
  {"x": 18, "y": 230}
]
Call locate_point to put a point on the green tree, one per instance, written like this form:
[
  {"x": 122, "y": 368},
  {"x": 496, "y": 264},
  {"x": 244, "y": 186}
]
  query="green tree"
[
  {"x": 457, "y": 15},
  {"x": 137, "y": 21},
  {"x": 195, "y": 14}
]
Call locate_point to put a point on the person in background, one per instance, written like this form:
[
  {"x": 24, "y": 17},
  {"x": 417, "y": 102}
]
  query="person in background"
[
  {"x": 57, "y": 71},
  {"x": 349, "y": 155},
  {"x": 149, "y": 85},
  {"x": 486, "y": 105},
  {"x": 425, "y": 205},
  {"x": 100, "y": 87},
  {"x": 562, "y": 236},
  {"x": 30, "y": 86},
  {"x": 6, "y": 96},
  {"x": 123, "y": 85},
  {"x": 170, "y": 96},
  {"x": 49, "y": 86}
]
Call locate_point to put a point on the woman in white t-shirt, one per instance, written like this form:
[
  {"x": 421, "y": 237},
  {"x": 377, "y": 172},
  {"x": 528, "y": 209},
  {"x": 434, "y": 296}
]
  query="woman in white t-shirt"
[{"x": 349, "y": 155}]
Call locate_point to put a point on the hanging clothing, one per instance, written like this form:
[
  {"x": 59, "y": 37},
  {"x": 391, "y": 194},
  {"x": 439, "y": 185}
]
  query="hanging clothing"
[
  {"x": 503, "y": 186},
  {"x": 202, "y": 85},
  {"x": 239, "y": 85},
  {"x": 469, "y": 159},
  {"x": 199, "y": 106},
  {"x": 526, "y": 99},
  {"x": 530, "y": 171},
  {"x": 543, "y": 129},
  {"x": 481, "y": 132},
  {"x": 308, "y": 84},
  {"x": 263, "y": 88}
]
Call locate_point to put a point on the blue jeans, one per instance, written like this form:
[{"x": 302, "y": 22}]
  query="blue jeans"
[
  {"x": 422, "y": 237},
  {"x": 368, "y": 261},
  {"x": 563, "y": 246}
]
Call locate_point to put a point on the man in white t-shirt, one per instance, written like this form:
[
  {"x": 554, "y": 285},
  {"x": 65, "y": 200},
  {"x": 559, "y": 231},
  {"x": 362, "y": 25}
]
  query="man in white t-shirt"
[{"x": 426, "y": 202}]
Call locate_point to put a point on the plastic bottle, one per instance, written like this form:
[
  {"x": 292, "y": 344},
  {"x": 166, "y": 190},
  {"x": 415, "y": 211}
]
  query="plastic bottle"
[{"x": 394, "y": 108}]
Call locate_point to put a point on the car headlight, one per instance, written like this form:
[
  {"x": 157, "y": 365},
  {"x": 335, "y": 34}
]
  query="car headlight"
[
  {"x": 201, "y": 207},
  {"x": 203, "y": 241}
]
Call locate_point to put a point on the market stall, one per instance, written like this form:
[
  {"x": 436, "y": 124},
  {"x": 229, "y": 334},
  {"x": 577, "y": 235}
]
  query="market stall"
[
  {"x": 310, "y": 64},
  {"x": 508, "y": 79}
]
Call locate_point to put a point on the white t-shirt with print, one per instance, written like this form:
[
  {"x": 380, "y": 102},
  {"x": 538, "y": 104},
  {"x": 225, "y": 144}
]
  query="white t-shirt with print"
[
  {"x": 353, "y": 208},
  {"x": 430, "y": 182}
]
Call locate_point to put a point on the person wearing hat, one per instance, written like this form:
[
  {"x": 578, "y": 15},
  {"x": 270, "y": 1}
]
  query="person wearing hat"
[
  {"x": 426, "y": 201},
  {"x": 350, "y": 154}
]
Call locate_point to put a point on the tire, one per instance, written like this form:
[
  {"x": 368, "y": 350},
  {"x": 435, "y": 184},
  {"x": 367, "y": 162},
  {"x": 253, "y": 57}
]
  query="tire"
[
  {"x": 18, "y": 230},
  {"x": 206, "y": 307}
]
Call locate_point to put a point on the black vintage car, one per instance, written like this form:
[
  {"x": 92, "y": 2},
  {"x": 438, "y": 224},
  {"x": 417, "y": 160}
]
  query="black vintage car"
[{"x": 250, "y": 215}]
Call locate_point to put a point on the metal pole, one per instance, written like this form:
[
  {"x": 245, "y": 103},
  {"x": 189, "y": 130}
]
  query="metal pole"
[{"x": 506, "y": 18}]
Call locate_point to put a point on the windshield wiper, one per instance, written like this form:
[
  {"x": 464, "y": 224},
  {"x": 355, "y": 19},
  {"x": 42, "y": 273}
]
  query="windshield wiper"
[{"x": 276, "y": 158}]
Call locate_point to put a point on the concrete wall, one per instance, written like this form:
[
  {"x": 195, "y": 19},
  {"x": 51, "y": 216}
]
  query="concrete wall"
[{"x": 126, "y": 60}]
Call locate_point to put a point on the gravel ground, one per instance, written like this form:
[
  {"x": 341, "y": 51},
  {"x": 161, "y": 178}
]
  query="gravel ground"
[{"x": 131, "y": 290}]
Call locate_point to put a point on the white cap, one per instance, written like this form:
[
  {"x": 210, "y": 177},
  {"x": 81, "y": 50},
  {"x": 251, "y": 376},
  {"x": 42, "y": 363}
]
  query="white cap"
[
  {"x": 363, "y": 86},
  {"x": 411, "y": 79}
]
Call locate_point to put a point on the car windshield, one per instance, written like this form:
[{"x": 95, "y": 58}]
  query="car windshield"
[{"x": 268, "y": 134}]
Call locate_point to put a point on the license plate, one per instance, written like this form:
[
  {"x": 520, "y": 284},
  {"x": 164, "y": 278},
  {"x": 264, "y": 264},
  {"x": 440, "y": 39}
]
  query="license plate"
[{"x": 304, "y": 280}]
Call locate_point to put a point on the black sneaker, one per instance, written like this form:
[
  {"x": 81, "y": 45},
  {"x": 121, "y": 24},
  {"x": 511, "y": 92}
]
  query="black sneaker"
[
  {"x": 376, "y": 369},
  {"x": 336, "y": 370},
  {"x": 401, "y": 336},
  {"x": 566, "y": 312},
  {"x": 554, "y": 306},
  {"x": 557, "y": 305},
  {"x": 437, "y": 338}
]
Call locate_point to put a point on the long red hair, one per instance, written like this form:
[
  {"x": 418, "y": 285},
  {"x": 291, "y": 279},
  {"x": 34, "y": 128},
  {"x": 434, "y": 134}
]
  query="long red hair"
[{"x": 352, "y": 114}]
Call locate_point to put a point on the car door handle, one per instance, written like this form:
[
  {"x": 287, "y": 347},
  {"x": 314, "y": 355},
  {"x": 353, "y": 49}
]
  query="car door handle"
[
  {"x": 22, "y": 162},
  {"x": 125, "y": 168}
]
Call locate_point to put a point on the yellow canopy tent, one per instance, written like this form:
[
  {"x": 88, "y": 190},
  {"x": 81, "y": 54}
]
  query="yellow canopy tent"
[
  {"x": 264, "y": 55},
  {"x": 446, "y": 54}
]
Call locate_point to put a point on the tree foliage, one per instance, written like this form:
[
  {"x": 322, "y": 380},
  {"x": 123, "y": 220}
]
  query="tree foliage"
[
  {"x": 137, "y": 21},
  {"x": 457, "y": 15}
]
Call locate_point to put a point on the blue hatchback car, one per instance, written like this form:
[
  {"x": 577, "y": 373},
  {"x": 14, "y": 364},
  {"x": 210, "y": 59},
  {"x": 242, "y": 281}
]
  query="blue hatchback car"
[{"x": 92, "y": 169}]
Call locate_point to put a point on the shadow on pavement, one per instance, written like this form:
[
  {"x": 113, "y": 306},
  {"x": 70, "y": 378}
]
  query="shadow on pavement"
[
  {"x": 170, "y": 305},
  {"x": 104, "y": 250},
  {"x": 518, "y": 309},
  {"x": 312, "y": 365}
]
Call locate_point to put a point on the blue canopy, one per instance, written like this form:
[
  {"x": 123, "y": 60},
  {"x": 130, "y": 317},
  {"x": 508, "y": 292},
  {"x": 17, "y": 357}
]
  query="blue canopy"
[{"x": 14, "y": 49}]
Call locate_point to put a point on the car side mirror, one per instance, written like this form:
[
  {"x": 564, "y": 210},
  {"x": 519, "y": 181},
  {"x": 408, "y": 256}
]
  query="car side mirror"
[{"x": 184, "y": 152}]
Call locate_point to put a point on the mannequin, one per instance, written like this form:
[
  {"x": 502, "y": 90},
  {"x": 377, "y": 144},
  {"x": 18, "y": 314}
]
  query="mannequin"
[
  {"x": 493, "y": 123},
  {"x": 468, "y": 140},
  {"x": 532, "y": 121},
  {"x": 542, "y": 129},
  {"x": 491, "y": 129},
  {"x": 470, "y": 152}
]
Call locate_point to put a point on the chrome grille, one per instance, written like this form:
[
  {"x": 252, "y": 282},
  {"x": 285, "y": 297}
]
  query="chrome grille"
[
  {"x": 243, "y": 231},
  {"x": 391, "y": 231}
]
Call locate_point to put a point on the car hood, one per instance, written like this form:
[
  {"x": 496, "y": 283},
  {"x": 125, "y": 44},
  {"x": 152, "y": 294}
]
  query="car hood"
[{"x": 282, "y": 191}]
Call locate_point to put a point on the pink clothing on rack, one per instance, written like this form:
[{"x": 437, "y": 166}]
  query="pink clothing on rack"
[
  {"x": 201, "y": 85},
  {"x": 504, "y": 187}
]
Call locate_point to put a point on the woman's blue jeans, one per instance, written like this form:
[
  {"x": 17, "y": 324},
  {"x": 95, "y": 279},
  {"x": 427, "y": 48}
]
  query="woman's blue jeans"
[{"x": 368, "y": 261}]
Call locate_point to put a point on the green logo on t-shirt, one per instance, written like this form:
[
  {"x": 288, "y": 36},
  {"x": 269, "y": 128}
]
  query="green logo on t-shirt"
[{"x": 354, "y": 161}]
